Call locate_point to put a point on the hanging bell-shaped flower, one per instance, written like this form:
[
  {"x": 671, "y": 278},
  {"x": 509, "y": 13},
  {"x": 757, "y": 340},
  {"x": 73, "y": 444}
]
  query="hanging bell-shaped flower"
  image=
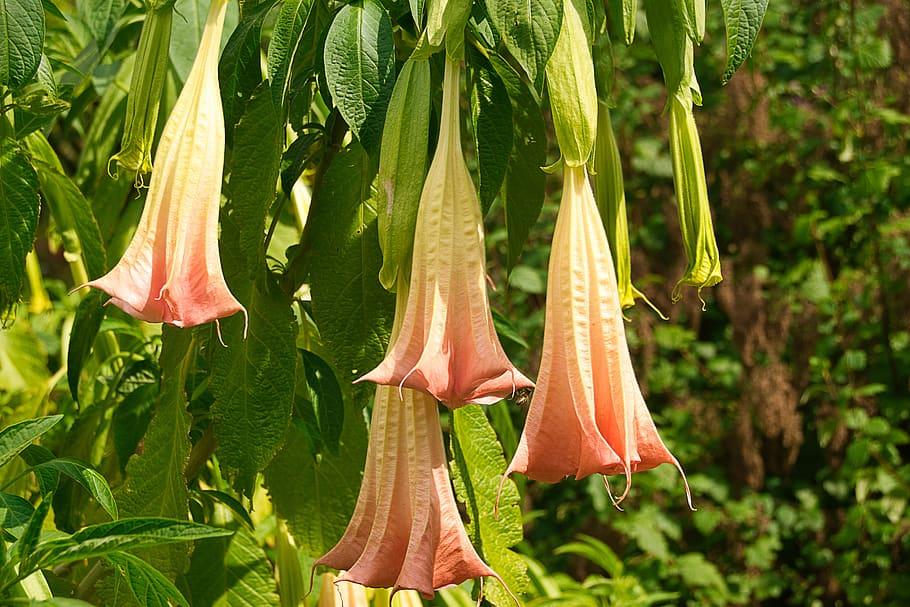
[
  {"x": 171, "y": 271},
  {"x": 587, "y": 415},
  {"x": 447, "y": 346}
]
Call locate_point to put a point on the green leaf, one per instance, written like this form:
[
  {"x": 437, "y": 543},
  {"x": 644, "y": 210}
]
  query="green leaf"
[
  {"x": 529, "y": 30},
  {"x": 71, "y": 211},
  {"x": 402, "y": 167},
  {"x": 86, "y": 324},
  {"x": 253, "y": 383},
  {"x": 186, "y": 32},
  {"x": 351, "y": 309},
  {"x": 491, "y": 111},
  {"x": 231, "y": 571},
  {"x": 155, "y": 483},
  {"x": 125, "y": 534},
  {"x": 524, "y": 183},
  {"x": 360, "y": 68},
  {"x": 324, "y": 395},
  {"x": 100, "y": 16},
  {"x": 91, "y": 480},
  {"x": 31, "y": 535},
  {"x": 316, "y": 496},
  {"x": 571, "y": 85},
  {"x": 742, "y": 19},
  {"x": 477, "y": 467},
  {"x": 148, "y": 585},
  {"x": 286, "y": 40},
  {"x": 253, "y": 378},
  {"x": 239, "y": 71},
  {"x": 19, "y": 205},
  {"x": 15, "y": 513},
  {"x": 22, "y": 24},
  {"x": 258, "y": 140},
  {"x": 17, "y": 437}
]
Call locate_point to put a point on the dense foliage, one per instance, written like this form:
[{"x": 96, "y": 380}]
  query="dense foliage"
[{"x": 141, "y": 465}]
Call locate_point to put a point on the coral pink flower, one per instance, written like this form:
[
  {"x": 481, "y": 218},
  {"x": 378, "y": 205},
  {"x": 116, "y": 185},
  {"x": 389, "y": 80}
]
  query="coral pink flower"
[
  {"x": 587, "y": 415},
  {"x": 406, "y": 532},
  {"x": 448, "y": 346},
  {"x": 171, "y": 271}
]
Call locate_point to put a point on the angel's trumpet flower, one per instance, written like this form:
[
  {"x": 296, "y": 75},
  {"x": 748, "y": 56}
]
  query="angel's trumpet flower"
[
  {"x": 171, "y": 271},
  {"x": 406, "y": 532},
  {"x": 448, "y": 346},
  {"x": 587, "y": 415}
]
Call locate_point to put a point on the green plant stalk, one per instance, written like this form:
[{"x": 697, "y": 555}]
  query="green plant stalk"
[
  {"x": 38, "y": 298},
  {"x": 146, "y": 86},
  {"x": 609, "y": 191},
  {"x": 703, "y": 269}
]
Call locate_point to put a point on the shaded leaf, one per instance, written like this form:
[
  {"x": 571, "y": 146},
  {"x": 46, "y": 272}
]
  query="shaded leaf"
[
  {"x": 19, "y": 205},
  {"x": 742, "y": 19},
  {"x": 529, "y": 30}
]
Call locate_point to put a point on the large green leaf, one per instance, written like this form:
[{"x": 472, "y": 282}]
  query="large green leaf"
[
  {"x": 155, "y": 483},
  {"x": 258, "y": 140},
  {"x": 15, "y": 513},
  {"x": 286, "y": 39},
  {"x": 491, "y": 112},
  {"x": 149, "y": 587},
  {"x": 91, "y": 480},
  {"x": 742, "y": 19},
  {"x": 477, "y": 467},
  {"x": 125, "y": 534},
  {"x": 86, "y": 324},
  {"x": 317, "y": 495},
  {"x": 239, "y": 70},
  {"x": 22, "y": 24},
  {"x": 231, "y": 571},
  {"x": 402, "y": 167},
  {"x": 19, "y": 204},
  {"x": 72, "y": 212},
  {"x": 253, "y": 378},
  {"x": 100, "y": 16},
  {"x": 524, "y": 183},
  {"x": 360, "y": 68},
  {"x": 17, "y": 437},
  {"x": 352, "y": 310},
  {"x": 253, "y": 383},
  {"x": 529, "y": 29}
]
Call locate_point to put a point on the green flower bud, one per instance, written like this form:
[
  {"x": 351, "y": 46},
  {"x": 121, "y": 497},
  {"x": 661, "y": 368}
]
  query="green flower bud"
[
  {"x": 611, "y": 202},
  {"x": 145, "y": 91}
]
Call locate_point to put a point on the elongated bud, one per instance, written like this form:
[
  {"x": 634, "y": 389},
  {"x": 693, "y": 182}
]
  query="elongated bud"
[
  {"x": 703, "y": 268},
  {"x": 611, "y": 202},
  {"x": 669, "y": 23},
  {"x": 146, "y": 85}
]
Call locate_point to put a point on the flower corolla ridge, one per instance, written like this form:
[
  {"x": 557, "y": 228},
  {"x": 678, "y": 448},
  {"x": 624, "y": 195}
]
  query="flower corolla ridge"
[
  {"x": 447, "y": 346},
  {"x": 171, "y": 271},
  {"x": 587, "y": 415}
]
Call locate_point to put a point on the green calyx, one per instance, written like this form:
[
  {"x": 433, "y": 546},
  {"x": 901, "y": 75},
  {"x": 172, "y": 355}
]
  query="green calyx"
[
  {"x": 145, "y": 91},
  {"x": 609, "y": 193}
]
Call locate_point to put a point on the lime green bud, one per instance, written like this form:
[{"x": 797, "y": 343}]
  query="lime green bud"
[
  {"x": 703, "y": 268},
  {"x": 610, "y": 194},
  {"x": 145, "y": 91}
]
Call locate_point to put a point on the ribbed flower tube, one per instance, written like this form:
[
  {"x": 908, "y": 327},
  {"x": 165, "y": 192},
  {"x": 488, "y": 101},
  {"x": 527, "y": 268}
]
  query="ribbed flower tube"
[
  {"x": 587, "y": 415},
  {"x": 171, "y": 271}
]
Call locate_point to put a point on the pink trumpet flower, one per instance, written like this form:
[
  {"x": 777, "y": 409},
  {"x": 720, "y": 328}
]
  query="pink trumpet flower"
[
  {"x": 406, "y": 532},
  {"x": 448, "y": 346},
  {"x": 587, "y": 414},
  {"x": 171, "y": 271}
]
